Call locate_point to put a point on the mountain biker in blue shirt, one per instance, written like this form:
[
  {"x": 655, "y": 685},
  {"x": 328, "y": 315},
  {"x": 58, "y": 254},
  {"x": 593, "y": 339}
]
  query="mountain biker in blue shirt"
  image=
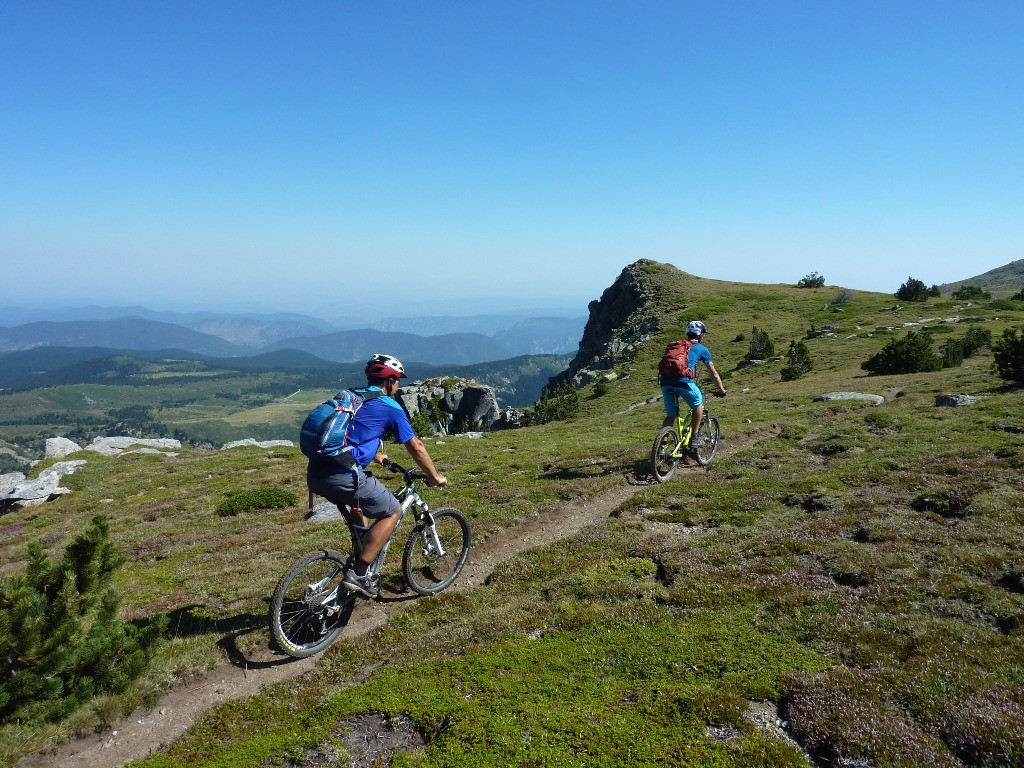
[
  {"x": 685, "y": 387},
  {"x": 352, "y": 485}
]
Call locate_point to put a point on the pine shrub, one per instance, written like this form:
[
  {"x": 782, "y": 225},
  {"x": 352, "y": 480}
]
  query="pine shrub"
[
  {"x": 975, "y": 340},
  {"x": 422, "y": 424},
  {"x": 1009, "y": 356},
  {"x": 911, "y": 354},
  {"x": 952, "y": 353},
  {"x": 798, "y": 361},
  {"x": 60, "y": 638},
  {"x": 761, "y": 346},
  {"x": 971, "y": 293},
  {"x": 915, "y": 290},
  {"x": 813, "y": 280}
]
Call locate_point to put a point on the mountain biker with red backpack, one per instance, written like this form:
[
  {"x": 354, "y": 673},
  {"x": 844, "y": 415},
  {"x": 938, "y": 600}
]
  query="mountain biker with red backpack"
[
  {"x": 347, "y": 483},
  {"x": 677, "y": 378}
]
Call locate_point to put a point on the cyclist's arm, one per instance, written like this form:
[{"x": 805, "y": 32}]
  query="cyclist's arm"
[
  {"x": 419, "y": 454},
  {"x": 717, "y": 379}
]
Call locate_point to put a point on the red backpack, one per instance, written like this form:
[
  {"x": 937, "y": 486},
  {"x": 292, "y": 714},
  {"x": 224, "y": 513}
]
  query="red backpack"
[{"x": 675, "y": 363}]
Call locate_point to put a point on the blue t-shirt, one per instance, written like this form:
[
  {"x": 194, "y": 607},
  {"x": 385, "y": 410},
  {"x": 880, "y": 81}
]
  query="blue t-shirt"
[
  {"x": 697, "y": 353},
  {"x": 376, "y": 417}
]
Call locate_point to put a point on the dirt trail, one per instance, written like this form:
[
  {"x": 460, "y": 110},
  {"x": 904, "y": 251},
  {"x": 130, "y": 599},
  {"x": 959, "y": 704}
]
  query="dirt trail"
[{"x": 145, "y": 732}]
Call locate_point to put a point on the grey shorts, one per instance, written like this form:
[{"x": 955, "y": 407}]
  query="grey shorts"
[{"x": 352, "y": 487}]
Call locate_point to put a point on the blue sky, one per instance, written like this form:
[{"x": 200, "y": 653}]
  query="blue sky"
[{"x": 454, "y": 157}]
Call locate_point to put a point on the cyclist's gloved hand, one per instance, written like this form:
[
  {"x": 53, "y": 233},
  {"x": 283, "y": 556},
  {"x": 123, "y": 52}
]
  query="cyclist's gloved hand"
[{"x": 439, "y": 482}]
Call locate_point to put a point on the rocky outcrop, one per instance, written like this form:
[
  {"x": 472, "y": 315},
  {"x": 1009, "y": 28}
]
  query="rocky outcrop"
[
  {"x": 456, "y": 405},
  {"x": 59, "y": 447},
  {"x": 17, "y": 491},
  {"x": 620, "y": 322},
  {"x": 111, "y": 446}
]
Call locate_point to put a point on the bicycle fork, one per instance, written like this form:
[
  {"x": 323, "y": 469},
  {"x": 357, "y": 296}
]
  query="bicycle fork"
[{"x": 432, "y": 546}]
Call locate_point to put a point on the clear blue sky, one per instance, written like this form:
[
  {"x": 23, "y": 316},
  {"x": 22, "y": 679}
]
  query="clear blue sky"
[{"x": 254, "y": 155}]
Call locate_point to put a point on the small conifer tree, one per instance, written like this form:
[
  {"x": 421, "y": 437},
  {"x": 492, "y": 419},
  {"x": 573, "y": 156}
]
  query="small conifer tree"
[
  {"x": 798, "y": 361},
  {"x": 952, "y": 353},
  {"x": 912, "y": 290},
  {"x": 813, "y": 280},
  {"x": 761, "y": 345},
  {"x": 976, "y": 339},
  {"x": 60, "y": 638},
  {"x": 1009, "y": 356},
  {"x": 971, "y": 293}
]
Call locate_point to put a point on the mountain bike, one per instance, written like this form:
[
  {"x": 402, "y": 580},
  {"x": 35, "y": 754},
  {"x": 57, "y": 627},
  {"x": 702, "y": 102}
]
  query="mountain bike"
[
  {"x": 310, "y": 605},
  {"x": 673, "y": 444}
]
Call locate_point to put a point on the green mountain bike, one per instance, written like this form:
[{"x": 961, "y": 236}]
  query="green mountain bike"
[
  {"x": 310, "y": 605},
  {"x": 673, "y": 444}
]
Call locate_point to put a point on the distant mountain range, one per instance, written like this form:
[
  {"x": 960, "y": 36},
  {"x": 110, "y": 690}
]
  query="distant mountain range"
[{"x": 438, "y": 340}]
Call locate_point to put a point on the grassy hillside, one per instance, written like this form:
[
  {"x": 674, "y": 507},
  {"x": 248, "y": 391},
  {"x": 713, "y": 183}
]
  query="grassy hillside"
[{"x": 857, "y": 566}]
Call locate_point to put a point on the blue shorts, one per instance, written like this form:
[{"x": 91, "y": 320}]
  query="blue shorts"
[
  {"x": 690, "y": 393},
  {"x": 352, "y": 487}
]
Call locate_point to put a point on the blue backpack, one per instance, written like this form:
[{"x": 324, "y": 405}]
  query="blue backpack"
[{"x": 325, "y": 431}]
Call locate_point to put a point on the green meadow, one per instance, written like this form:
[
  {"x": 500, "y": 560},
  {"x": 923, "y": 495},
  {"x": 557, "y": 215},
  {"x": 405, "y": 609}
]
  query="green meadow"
[{"x": 857, "y": 566}]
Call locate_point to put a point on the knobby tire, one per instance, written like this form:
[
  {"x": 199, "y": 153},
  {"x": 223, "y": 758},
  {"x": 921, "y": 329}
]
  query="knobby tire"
[
  {"x": 663, "y": 463},
  {"x": 711, "y": 433},
  {"x": 426, "y": 571},
  {"x": 310, "y": 607}
]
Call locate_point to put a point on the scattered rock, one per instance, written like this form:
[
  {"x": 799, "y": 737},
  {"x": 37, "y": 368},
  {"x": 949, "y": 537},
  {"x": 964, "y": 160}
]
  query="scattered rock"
[
  {"x": 1008, "y": 426},
  {"x": 250, "y": 442},
  {"x": 876, "y": 399},
  {"x": 324, "y": 512},
  {"x": 111, "y": 446},
  {"x": 955, "y": 401}
]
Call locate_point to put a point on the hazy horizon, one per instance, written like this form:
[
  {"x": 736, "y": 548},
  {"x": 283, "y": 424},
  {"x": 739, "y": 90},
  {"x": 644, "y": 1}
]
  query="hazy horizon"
[{"x": 270, "y": 157}]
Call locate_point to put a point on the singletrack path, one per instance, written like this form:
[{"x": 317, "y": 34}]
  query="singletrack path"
[{"x": 144, "y": 732}]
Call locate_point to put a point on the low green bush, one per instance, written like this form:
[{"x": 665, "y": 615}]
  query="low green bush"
[{"x": 254, "y": 499}]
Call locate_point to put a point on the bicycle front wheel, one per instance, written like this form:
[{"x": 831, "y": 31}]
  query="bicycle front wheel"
[
  {"x": 435, "y": 554},
  {"x": 663, "y": 463},
  {"x": 710, "y": 434},
  {"x": 310, "y": 607}
]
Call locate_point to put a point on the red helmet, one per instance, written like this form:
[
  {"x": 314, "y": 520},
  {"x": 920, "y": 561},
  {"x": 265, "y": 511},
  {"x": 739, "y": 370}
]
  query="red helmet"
[{"x": 384, "y": 367}]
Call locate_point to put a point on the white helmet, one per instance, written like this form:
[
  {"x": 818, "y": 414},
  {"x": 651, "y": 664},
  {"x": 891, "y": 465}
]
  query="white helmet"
[
  {"x": 385, "y": 367},
  {"x": 696, "y": 327}
]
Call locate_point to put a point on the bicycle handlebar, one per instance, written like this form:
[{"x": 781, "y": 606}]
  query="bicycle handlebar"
[{"x": 408, "y": 474}]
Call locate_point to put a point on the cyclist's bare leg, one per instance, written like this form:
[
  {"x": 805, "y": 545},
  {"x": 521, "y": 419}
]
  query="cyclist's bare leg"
[
  {"x": 698, "y": 412},
  {"x": 375, "y": 538}
]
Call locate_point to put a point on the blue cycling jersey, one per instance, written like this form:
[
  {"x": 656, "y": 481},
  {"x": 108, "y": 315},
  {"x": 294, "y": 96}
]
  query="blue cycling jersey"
[{"x": 372, "y": 421}]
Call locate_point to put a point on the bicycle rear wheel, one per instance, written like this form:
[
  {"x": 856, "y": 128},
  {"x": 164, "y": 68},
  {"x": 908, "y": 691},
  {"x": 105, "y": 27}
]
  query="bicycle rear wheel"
[
  {"x": 428, "y": 570},
  {"x": 310, "y": 607},
  {"x": 710, "y": 434},
  {"x": 663, "y": 463}
]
